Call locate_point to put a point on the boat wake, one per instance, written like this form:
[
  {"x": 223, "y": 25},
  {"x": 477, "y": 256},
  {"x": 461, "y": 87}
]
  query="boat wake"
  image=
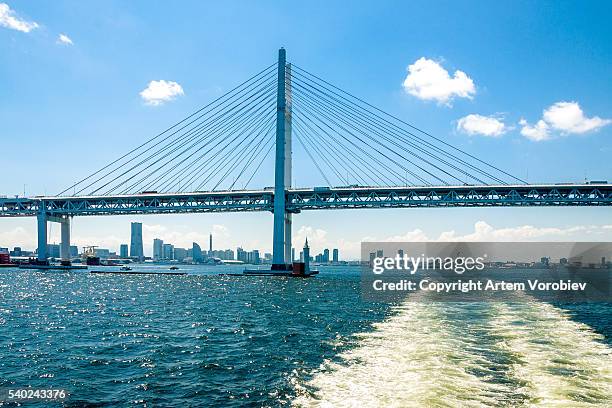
[{"x": 469, "y": 355}]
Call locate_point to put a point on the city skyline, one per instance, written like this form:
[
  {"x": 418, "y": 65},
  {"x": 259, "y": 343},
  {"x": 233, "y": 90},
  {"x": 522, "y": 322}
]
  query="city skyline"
[{"x": 165, "y": 250}]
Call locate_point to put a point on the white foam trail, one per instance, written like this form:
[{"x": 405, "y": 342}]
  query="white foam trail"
[
  {"x": 562, "y": 363},
  {"x": 428, "y": 355},
  {"x": 414, "y": 358}
]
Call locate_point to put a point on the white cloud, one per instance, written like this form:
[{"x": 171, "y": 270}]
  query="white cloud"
[
  {"x": 17, "y": 236},
  {"x": 9, "y": 19},
  {"x": 537, "y": 132},
  {"x": 485, "y": 232},
  {"x": 474, "y": 124},
  {"x": 428, "y": 80},
  {"x": 564, "y": 117},
  {"x": 159, "y": 92},
  {"x": 568, "y": 117},
  {"x": 64, "y": 39}
]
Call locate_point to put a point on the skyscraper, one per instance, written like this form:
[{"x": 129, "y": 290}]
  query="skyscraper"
[
  {"x": 136, "y": 250},
  {"x": 168, "y": 250},
  {"x": 123, "y": 251},
  {"x": 210, "y": 248},
  {"x": 196, "y": 253},
  {"x": 326, "y": 255},
  {"x": 158, "y": 253},
  {"x": 335, "y": 255}
]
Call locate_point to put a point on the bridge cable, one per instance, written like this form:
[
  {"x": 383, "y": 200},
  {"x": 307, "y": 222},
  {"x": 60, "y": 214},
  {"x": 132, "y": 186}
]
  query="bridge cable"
[
  {"x": 264, "y": 71},
  {"x": 368, "y": 123},
  {"x": 406, "y": 123},
  {"x": 258, "y": 95},
  {"x": 382, "y": 165},
  {"x": 221, "y": 127}
]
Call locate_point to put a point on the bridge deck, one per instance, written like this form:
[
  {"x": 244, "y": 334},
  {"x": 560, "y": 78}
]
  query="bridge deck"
[{"x": 315, "y": 199}]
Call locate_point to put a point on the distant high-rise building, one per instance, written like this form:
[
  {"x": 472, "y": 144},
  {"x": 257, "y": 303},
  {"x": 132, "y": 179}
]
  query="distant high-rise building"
[
  {"x": 292, "y": 254},
  {"x": 168, "y": 252},
  {"x": 325, "y": 255},
  {"x": 210, "y": 248},
  {"x": 335, "y": 255},
  {"x": 123, "y": 251},
  {"x": 53, "y": 251},
  {"x": 74, "y": 251},
  {"x": 196, "y": 253},
  {"x": 253, "y": 257},
  {"x": 180, "y": 254},
  {"x": 158, "y": 249},
  {"x": 241, "y": 255},
  {"x": 136, "y": 249}
]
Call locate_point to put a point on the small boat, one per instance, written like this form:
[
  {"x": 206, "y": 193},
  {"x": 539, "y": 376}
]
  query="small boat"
[
  {"x": 174, "y": 268},
  {"x": 126, "y": 268}
]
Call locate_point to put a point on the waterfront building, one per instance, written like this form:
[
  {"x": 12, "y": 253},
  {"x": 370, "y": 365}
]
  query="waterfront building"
[
  {"x": 53, "y": 250},
  {"x": 102, "y": 253},
  {"x": 196, "y": 253},
  {"x": 180, "y": 254},
  {"x": 336, "y": 258},
  {"x": 326, "y": 255},
  {"x": 241, "y": 255},
  {"x": 158, "y": 246},
  {"x": 136, "y": 247},
  {"x": 168, "y": 252},
  {"x": 123, "y": 251},
  {"x": 253, "y": 257}
]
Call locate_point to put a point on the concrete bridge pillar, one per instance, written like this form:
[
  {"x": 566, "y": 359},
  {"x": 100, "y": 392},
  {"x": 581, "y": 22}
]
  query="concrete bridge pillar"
[
  {"x": 42, "y": 232},
  {"x": 65, "y": 234}
]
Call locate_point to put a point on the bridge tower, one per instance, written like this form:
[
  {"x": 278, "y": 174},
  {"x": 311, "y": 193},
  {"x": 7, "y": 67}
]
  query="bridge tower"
[{"x": 281, "y": 247}]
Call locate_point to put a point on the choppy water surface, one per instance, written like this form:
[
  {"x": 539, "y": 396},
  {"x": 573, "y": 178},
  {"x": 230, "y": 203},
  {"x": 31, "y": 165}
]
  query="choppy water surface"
[{"x": 208, "y": 340}]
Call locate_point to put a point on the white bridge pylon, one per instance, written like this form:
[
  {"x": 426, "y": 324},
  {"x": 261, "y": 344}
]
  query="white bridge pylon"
[{"x": 281, "y": 246}]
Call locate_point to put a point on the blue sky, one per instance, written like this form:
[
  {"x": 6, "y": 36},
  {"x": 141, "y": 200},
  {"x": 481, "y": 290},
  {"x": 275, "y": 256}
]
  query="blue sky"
[{"x": 528, "y": 89}]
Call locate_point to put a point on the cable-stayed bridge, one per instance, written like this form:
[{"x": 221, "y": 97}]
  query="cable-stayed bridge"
[{"x": 212, "y": 160}]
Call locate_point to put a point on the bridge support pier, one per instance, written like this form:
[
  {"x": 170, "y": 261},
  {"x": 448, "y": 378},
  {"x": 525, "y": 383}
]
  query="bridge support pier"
[
  {"x": 65, "y": 245},
  {"x": 64, "y": 222},
  {"x": 42, "y": 233}
]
